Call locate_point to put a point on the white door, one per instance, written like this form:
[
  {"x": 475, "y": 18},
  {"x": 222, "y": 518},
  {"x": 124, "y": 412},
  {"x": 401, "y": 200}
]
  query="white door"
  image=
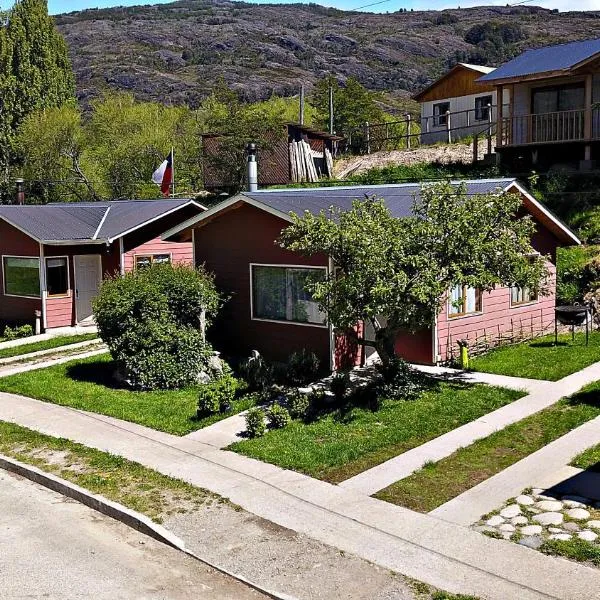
[{"x": 88, "y": 275}]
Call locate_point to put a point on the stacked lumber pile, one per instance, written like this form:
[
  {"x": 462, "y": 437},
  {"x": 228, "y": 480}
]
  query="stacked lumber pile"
[{"x": 302, "y": 164}]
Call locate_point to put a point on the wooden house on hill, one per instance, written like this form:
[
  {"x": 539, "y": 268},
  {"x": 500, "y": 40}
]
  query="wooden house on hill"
[{"x": 294, "y": 154}]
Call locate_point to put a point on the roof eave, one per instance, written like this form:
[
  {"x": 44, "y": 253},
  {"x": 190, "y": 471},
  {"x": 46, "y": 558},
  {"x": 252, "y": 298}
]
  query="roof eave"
[{"x": 528, "y": 77}]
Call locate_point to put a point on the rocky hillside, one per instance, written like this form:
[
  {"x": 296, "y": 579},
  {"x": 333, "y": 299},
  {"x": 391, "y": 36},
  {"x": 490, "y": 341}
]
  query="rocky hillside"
[{"x": 176, "y": 52}]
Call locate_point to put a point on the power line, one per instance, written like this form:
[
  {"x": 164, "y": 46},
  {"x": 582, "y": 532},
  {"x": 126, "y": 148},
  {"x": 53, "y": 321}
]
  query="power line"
[{"x": 372, "y": 4}]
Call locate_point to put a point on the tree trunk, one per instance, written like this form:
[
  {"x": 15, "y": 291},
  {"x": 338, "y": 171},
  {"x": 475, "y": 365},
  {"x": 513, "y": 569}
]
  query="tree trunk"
[{"x": 385, "y": 341}]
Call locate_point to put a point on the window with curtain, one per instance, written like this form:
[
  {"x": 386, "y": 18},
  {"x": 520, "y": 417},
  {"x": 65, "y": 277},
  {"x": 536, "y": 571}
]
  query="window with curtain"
[
  {"x": 522, "y": 296},
  {"x": 464, "y": 300},
  {"x": 21, "y": 276},
  {"x": 143, "y": 261},
  {"x": 57, "y": 276},
  {"x": 280, "y": 294},
  {"x": 439, "y": 113}
]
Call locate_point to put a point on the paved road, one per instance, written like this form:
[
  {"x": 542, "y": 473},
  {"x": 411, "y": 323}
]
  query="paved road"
[{"x": 55, "y": 548}]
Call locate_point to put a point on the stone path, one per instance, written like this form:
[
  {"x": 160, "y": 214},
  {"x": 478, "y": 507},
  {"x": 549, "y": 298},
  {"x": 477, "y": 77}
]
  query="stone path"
[
  {"x": 423, "y": 547},
  {"x": 543, "y": 469},
  {"x": 534, "y": 517},
  {"x": 544, "y": 394},
  {"x": 222, "y": 433},
  {"x": 49, "y": 351}
]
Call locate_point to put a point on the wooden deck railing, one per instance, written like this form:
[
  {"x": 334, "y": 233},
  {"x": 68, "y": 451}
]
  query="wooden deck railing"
[{"x": 554, "y": 127}]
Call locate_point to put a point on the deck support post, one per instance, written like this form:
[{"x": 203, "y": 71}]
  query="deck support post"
[{"x": 499, "y": 115}]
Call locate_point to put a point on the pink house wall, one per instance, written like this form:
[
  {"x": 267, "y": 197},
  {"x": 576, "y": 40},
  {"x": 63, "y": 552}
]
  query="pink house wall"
[{"x": 181, "y": 253}]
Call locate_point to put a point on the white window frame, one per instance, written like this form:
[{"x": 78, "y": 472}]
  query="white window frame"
[
  {"x": 324, "y": 325},
  {"x": 483, "y": 108},
  {"x": 4, "y": 276},
  {"x": 151, "y": 255},
  {"x": 464, "y": 315},
  {"x": 524, "y": 303},
  {"x": 67, "y": 294},
  {"x": 444, "y": 115}
]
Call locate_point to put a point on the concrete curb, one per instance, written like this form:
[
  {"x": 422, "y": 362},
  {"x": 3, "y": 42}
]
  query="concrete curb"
[{"x": 121, "y": 513}]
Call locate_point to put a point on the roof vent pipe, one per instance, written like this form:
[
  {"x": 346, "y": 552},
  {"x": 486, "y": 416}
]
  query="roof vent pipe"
[
  {"x": 252, "y": 168},
  {"x": 20, "y": 191}
]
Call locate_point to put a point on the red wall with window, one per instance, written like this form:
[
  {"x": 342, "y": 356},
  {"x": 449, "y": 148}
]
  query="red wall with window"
[{"x": 227, "y": 245}]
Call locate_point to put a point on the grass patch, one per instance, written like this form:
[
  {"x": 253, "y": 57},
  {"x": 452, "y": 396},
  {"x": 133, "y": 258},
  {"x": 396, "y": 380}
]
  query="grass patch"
[
  {"x": 439, "y": 482},
  {"x": 56, "y": 342},
  {"x": 541, "y": 359},
  {"x": 350, "y": 440},
  {"x": 88, "y": 384},
  {"x": 116, "y": 478},
  {"x": 575, "y": 549},
  {"x": 427, "y": 592},
  {"x": 589, "y": 459}
]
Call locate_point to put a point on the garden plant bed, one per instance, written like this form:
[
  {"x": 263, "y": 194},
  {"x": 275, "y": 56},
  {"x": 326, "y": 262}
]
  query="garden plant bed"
[
  {"x": 590, "y": 459},
  {"x": 56, "y": 342},
  {"x": 540, "y": 358},
  {"x": 437, "y": 483},
  {"x": 115, "y": 478},
  {"x": 346, "y": 441},
  {"x": 88, "y": 384},
  {"x": 567, "y": 526}
]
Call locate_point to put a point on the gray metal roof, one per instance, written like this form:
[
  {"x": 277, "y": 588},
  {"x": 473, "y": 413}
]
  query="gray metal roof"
[
  {"x": 85, "y": 222},
  {"x": 399, "y": 198},
  {"x": 542, "y": 60}
]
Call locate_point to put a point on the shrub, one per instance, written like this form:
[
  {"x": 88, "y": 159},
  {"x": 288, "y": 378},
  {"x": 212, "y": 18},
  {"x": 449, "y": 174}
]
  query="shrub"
[
  {"x": 217, "y": 396},
  {"x": 303, "y": 367},
  {"x": 255, "y": 422},
  {"x": 151, "y": 321},
  {"x": 257, "y": 373},
  {"x": 398, "y": 380},
  {"x": 318, "y": 400},
  {"x": 340, "y": 383},
  {"x": 298, "y": 405},
  {"x": 15, "y": 333},
  {"x": 278, "y": 417}
]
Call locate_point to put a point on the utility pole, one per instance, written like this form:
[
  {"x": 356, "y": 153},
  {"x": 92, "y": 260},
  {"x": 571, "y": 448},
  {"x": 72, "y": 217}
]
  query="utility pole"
[
  {"x": 302, "y": 105},
  {"x": 331, "y": 109}
]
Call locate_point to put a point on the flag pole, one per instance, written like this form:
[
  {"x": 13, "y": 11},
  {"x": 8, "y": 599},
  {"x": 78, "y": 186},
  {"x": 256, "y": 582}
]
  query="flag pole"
[{"x": 173, "y": 168}]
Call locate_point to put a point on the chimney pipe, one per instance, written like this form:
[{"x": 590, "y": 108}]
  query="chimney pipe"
[
  {"x": 252, "y": 168},
  {"x": 20, "y": 189}
]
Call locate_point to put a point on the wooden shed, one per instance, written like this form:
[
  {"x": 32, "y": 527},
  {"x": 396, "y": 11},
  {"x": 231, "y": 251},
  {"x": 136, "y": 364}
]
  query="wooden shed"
[{"x": 294, "y": 154}]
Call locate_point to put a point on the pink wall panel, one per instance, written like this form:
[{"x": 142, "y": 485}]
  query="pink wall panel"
[
  {"x": 181, "y": 253},
  {"x": 497, "y": 317}
]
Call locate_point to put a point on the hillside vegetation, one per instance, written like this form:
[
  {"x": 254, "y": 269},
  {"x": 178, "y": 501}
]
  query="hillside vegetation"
[{"x": 176, "y": 52}]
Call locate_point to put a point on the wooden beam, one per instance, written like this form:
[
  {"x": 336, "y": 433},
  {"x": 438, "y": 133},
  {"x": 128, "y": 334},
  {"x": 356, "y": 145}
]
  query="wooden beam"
[
  {"x": 587, "y": 120},
  {"x": 499, "y": 115}
]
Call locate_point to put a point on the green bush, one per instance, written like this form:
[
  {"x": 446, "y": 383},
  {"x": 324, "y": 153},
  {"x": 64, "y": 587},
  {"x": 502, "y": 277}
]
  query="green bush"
[
  {"x": 15, "y": 333},
  {"x": 257, "y": 373},
  {"x": 340, "y": 383},
  {"x": 255, "y": 422},
  {"x": 398, "y": 381},
  {"x": 298, "y": 405},
  {"x": 217, "y": 396},
  {"x": 303, "y": 367},
  {"x": 578, "y": 272},
  {"x": 151, "y": 321},
  {"x": 278, "y": 417}
]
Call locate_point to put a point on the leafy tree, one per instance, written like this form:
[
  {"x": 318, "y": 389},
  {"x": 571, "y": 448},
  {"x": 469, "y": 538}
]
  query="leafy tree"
[{"x": 396, "y": 273}]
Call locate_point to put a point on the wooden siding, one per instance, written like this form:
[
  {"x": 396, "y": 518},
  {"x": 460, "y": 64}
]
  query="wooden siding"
[
  {"x": 460, "y": 81},
  {"x": 180, "y": 252},
  {"x": 416, "y": 347},
  {"x": 227, "y": 245},
  {"x": 16, "y": 243}
]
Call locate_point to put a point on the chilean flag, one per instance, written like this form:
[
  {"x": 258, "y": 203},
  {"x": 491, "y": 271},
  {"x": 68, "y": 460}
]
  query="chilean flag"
[{"x": 163, "y": 176}]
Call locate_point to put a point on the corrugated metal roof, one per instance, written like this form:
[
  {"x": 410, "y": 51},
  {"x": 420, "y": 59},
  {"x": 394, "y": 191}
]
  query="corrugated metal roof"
[
  {"x": 542, "y": 60},
  {"x": 86, "y": 221},
  {"x": 399, "y": 198}
]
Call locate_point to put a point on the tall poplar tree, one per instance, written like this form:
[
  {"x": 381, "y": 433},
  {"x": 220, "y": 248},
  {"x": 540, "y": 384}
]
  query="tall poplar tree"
[{"x": 35, "y": 71}]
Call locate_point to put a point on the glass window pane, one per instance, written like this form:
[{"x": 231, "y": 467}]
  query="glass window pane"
[
  {"x": 300, "y": 305},
  {"x": 571, "y": 98},
  {"x": 57, "y": 278},
  {"x": 269, "y": 293},
  {"x": 22, "y": 276},
  {"x": 161, "y": 259},
  {"x": 142, "y": 262},
  {"x": 545, "y": 101},
  {"x": 456, "y": 300},
  {"x": 471, "y": 300}
]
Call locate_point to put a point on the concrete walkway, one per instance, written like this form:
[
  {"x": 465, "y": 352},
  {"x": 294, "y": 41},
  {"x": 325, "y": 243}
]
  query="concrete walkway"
[
  {"x": 13, "y": 369},
  {"x": 545, "y": 394},
  {"x": 544, "y": 469},
  {"x": 50, "y": 351},
  {"x": 222, "y": 433},
  {"x": 426, "y": 548}
]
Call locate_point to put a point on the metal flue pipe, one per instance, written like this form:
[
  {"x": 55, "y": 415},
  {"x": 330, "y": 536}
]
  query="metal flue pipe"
[{"x": 252, "y": 168}]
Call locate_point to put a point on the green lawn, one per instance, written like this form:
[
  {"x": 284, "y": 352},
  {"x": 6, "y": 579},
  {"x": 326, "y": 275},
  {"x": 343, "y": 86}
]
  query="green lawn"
[
  {"x": 123, "y": 481},
  {"x": 346, "y": 442},
  {"x": 590, "y": 459},
  {"x": 88, "y": 384},
  {"x": 55, "y": 342},
  {"x": 541, "y": 359},
  {"x": 439, "y": 482}
]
